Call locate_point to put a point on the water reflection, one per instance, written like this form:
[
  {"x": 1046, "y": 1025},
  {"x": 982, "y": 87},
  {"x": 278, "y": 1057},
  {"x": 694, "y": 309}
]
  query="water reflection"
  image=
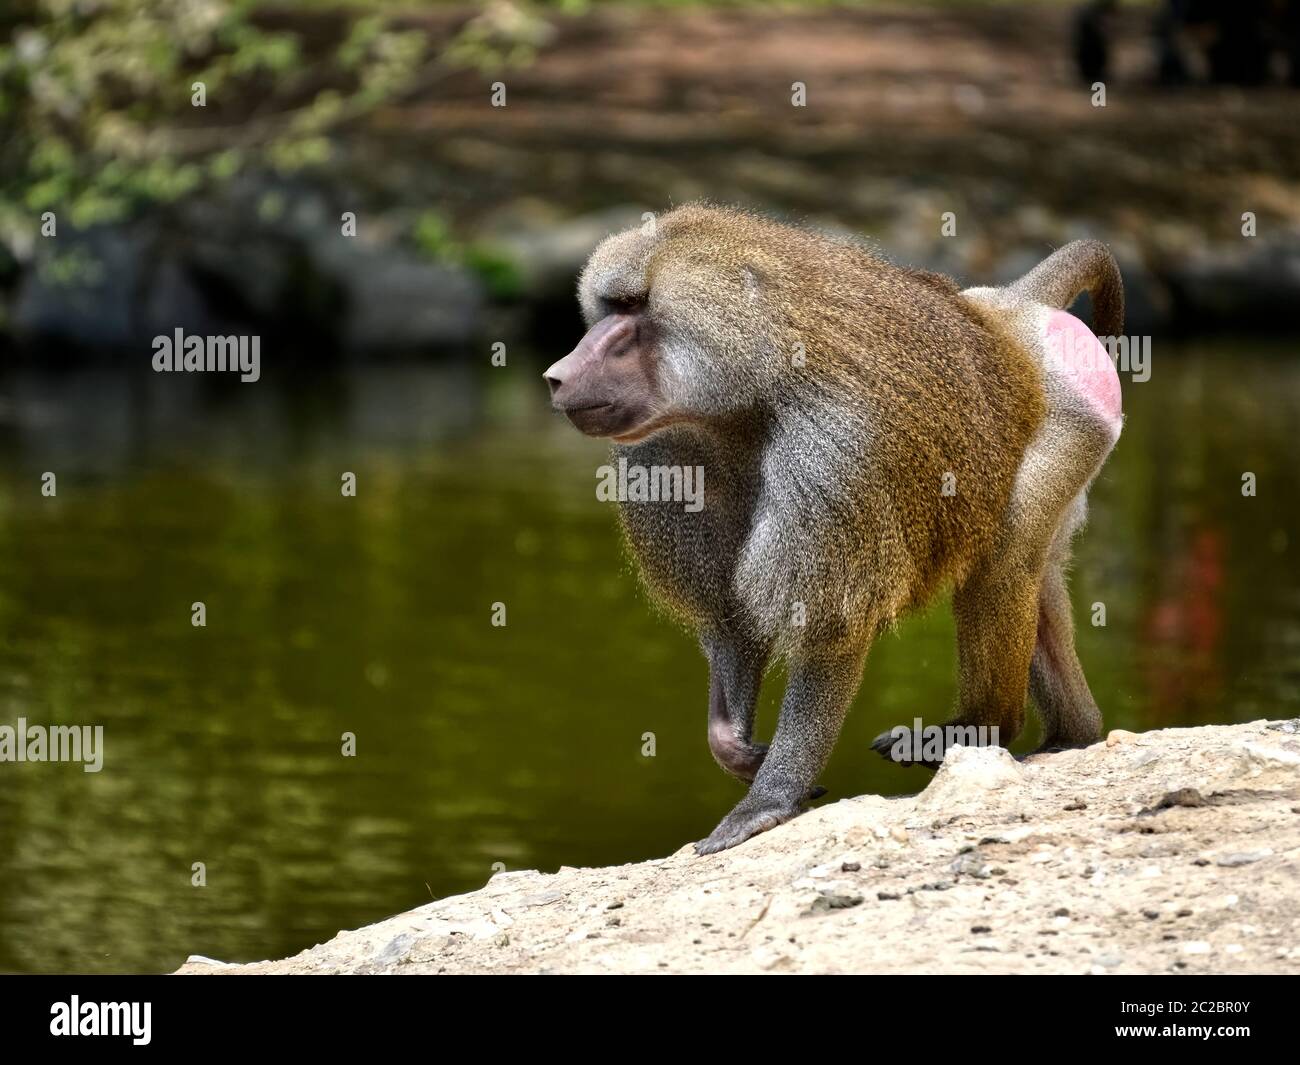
[{"x": 477, "y": 744}]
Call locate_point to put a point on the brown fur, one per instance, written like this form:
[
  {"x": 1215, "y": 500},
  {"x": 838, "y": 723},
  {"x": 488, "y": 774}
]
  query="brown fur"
[{"x": 825, "y": 480}]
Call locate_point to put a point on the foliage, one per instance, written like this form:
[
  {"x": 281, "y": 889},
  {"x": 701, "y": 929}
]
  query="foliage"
[
  {"x": 494, "y": 267},
  {"x": 111, "y": 107},
  {"x": 99, "y": 98}
]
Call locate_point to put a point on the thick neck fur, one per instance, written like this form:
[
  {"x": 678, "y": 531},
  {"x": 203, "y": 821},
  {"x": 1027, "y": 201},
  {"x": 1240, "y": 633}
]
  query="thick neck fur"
[{"x": 782, "y": 514}]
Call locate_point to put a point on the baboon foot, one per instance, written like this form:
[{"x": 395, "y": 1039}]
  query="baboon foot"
[
  {"x": 896, "y": 746},
  {"x": 928, "y": 747}
]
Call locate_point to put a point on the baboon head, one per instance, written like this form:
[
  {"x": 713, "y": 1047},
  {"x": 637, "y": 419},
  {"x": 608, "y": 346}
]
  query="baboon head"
[{"x": 679, "y": 328}]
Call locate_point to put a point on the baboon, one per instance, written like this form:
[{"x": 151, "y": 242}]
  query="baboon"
[{"x": 870, "y": 435}]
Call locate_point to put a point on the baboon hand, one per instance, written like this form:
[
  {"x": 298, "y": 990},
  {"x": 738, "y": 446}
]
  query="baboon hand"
[{"x": 756, "y": 812}]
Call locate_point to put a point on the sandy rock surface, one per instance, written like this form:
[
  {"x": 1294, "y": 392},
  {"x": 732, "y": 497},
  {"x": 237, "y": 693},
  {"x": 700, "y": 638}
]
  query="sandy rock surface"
[{"x": 1166, "y": 852}]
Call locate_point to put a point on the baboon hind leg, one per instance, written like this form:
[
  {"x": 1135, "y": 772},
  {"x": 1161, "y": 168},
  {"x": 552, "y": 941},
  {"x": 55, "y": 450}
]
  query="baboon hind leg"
[
  {"x": 1066, "y": 708},
  {"x": 997, "y": 626},
  {"x": 996, "y": 609},
  {"x": 1013, "y": 610}
]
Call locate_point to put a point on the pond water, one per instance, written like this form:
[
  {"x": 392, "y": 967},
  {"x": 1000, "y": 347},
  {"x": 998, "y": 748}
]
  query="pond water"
[{"x": 476, "y": 744}]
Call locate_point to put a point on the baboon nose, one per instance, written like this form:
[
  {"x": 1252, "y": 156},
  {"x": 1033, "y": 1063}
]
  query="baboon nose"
[{"x": 553, "y": 379}]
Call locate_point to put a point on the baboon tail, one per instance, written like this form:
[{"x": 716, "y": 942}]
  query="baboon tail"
[{"x": 1083, "y": 265}]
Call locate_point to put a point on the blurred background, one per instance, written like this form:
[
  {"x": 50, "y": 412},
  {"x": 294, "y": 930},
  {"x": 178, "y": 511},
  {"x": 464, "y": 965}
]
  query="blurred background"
[{"x": 522, "y": 746}]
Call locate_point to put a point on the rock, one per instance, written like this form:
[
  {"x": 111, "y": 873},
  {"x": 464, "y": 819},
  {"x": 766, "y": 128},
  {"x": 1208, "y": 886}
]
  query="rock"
[
  {"x": 544, "y": 898},
  {"x": 1251, "y": 280},
  {"x": 396, "y": 952},
  {"x": 971, "y": 864},
  {"x": 758, "y": 908},
  {"x": 110, "y": 287},
  {"x": 219, "y": 264},
  {"x": 825, "y": 903},
  {"x": 1230, "y": 861},
  {"x": 1181, "y": 797},
  {"x": 971, "y": 774},
  {"x": 398, "y": 302},
  {"x": 1263, "y": 757}
]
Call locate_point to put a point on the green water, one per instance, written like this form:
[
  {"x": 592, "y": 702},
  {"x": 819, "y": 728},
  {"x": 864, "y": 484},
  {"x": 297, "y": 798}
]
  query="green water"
[{"x": 476, "y": 744}]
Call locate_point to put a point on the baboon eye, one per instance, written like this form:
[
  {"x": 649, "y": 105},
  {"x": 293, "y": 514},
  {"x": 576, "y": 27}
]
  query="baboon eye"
[{"x": 625, "y": 304}]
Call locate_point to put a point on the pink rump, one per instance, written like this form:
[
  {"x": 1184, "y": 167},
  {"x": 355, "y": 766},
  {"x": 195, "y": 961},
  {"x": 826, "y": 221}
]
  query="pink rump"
[{"x": 1070, "y": 346}]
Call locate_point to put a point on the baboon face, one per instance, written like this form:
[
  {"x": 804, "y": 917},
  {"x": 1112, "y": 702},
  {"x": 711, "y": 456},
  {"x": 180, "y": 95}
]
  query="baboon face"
[
  {"x": 682, "y": 329},
  {"x": 607, "y": 386}
]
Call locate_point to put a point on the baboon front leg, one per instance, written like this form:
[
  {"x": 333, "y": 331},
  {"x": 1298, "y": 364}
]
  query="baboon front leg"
[
  {"x": 997, "y": 620},
  {"x": 736, "y": 670},
  {"x": 818, "y": 694}
]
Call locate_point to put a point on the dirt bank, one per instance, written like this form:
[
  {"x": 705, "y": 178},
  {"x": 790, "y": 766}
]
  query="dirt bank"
[{"x": 1170, "y": 851}]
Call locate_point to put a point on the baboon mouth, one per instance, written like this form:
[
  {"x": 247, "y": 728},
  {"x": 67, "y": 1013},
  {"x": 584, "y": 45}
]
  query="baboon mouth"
[{"x": 599, "y": 419}]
